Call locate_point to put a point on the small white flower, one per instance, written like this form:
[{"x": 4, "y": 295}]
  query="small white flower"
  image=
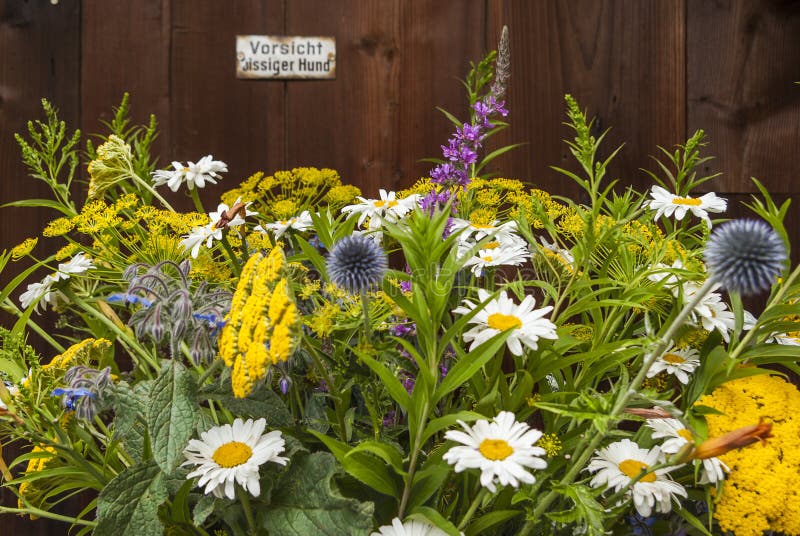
[
  {"x": 42, "y": 290},
  {"x": 76, "y": 265},
  {"x": 667, "y": 204},
  {"x": 205, "y": 170},
  {"x": 679, "y": 362},
  {"x": 231, "y": 454},
  {"x": 198, "y": 235},
  {"x": 409, "y": 528},
  {"x": 677, "y": 435},
  {"x": 237, "y": 219},
  {"x": 502, "y": 449},
  {"x": 713, "y": 313},
  {"x": 619, "y": 463},
  {"x": 497, "y": 255},
  {"x": 388, "y": 208},
  {"x": 501, "y": 314},
  {"x": 564, "y": 256},
  {"x": 662, "y": 272},
  {"x": 299, "y": 223}
]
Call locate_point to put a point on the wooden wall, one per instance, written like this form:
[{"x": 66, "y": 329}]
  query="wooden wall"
[{"x": 653, "y": 70}]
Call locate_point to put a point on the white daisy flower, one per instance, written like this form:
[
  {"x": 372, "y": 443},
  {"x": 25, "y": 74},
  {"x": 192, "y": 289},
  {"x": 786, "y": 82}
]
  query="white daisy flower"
[
  {"x": 409, "y": 528},
  {"x": 41, "y": 292},
  {"x": 713, "y": 313},
  {"x": 564, "y": 256},
  {"x": 231, "y": 454},
  {"x": 789, "y": 339},
  {"x": 662, "y": 272},
  {"x": 675, "y": 361},
  {"x": 205, "y": 170},
  {"x": 667, "y": 204},
  {"x": 503, "y": 233},
  {"x": 619, "y": 463},
  {"x": 526, "y": 324},
  {"x": 502, "y": 449},
  {"x": 497, "y": 255},
  {"x": 198, "y": 235},
  {"x": 222, "y": 209},
  {"x": 299, "y": 223},
  {"x": 76, "y": 265},
  {"x": 677, "y": 435},
  {"x": 388, "y": 207}
]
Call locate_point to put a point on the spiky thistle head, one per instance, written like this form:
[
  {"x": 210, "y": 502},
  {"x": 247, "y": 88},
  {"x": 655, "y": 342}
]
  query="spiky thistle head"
[
  {"x": 356, "y": 263},
  {"x": 745, "y": 255}
]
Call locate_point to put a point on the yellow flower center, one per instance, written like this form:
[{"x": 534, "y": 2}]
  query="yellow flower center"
[
  {"x": 495, "y": 449},
  {"x": 675, "y": 359},
  {"x": 503, "y": 322},
  {"x": 387, "y": 204},
  {"x": 687, "y": 201},
  {"x": 633, "y": 468},
  {"x": 185, "y": 170},
  {"x": 232, "y": 454},
  {"x": 481, "y": 226},
  {"x": 487, "y": 258},
  {"x": 492, "y": 245},
  {"x": 686, "y": 434}
]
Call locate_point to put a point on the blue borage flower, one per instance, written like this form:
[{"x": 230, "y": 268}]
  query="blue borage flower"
[
  {"x": 356, "y": 263},
  {"x": 213, "y": 320},
  {"x": 125, "y": 298},
  {"x": 71, "y": 396},
  {"x": 745, "y": 255}
]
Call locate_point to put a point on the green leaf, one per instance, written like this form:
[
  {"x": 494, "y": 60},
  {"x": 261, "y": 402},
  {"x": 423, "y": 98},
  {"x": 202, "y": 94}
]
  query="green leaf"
[
  {"x": 490, "y": 520},
  {"x": 587, "y": 511},
  {"x": 171, "y": 414},
  {"x": 309, "y": 502},
  {"x": 388, "y": 452},
  {"x": 431, "y": 515},
  {"x": 47, "y": 203},
  {"x": 389, "y": 379},
  {"x": 130, "y": 407},
  {"x": 129, "y": 503},
  {"x": 262, "y": 403},
  {"x": 437, "y": 425},
  {"x": 470, "y": 364}
]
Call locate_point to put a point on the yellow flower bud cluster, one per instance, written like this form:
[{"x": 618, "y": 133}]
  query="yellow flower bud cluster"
[
  {"x": 28, "y": 492},
  {"x": 113, "y": 164},
  {"x": 24, "y": 248},
  {"x": 261, "y": 325},
  {"x": 761, "y": 491}
]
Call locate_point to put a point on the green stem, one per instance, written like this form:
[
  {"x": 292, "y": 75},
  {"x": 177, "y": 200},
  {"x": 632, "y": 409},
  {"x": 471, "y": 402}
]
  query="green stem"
[
  {"x": 335, "y": 395},
  {"x": 587, "y": 450},
  {"x": 472, "y": 508},
  {"x": 365, "y": 307},
  {"x": 244, "y": 498},
  {"x": 30, "y": 510},
  {"x": 198, "y": 205},
  {"x": 412, "y": 464},
  {"x": 237, "y": 270},
  {"x": 215, "y": 366},
  {"x": 143, "y": 184}
]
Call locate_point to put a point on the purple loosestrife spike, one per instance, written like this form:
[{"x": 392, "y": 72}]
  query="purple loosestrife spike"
[{"x": 745, "y": 255}]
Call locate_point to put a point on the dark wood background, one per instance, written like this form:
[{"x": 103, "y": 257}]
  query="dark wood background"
[{"x": 653, "y": 70}]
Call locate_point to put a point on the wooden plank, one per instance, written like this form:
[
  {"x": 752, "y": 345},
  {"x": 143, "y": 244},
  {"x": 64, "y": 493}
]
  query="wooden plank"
[
  {"x": 40, "y": 47},
  {"x": 238, "y": 121},
  {"x": 437, "y": 41},
  {"x": 125, "y": 47},
  {"x": 348, "y": 124},
  {"x": 743, "y": 58},
  {"x": 623, "y": 62}
]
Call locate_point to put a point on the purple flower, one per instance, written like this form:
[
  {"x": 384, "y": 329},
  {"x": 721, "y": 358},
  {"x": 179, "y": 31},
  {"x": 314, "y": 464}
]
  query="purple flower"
[
  {"x": 408, "y": 382},
  {"x": 390, "y": 419},
  {"x": 401, "y": 330},
  {"x": 71, "y": 396},
  {"x": 121, "y": 297},
  {"x": 469, "y": 133},
  {"x": 284, "y": 383}
]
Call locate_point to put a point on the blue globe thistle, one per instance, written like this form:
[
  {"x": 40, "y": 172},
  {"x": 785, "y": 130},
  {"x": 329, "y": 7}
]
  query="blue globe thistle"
[
  {"x": 356, "y": 263},
  {"x": 746, "y": 256}
]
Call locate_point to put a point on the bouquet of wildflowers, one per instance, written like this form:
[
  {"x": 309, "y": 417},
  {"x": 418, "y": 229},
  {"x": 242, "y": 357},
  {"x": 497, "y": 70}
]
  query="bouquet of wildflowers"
[{"x": 471, "y": 355}]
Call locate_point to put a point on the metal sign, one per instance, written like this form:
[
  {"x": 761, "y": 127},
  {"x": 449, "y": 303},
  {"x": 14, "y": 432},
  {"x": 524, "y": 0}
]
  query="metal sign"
[{"x": 285, "y": 57}]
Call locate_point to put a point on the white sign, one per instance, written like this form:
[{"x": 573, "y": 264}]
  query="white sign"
[{"x": 285, "y": 56}]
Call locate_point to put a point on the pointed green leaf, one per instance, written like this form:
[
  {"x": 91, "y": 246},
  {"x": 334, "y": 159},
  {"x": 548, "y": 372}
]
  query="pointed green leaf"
[
  {"x": 129, "y": 503},
  {"x": 171, "y": 414}
]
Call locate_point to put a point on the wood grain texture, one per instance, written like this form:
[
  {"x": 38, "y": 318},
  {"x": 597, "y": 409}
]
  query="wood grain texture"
[
  {"x": 743, "y": 58},
  {"x": 437, "y": 42},
  {"x": 125, "y": 47},
  {"x": 241, "y": 122},
  {"x": 40, "y": 47},
  {"x": 347, "y": 124},
  {"x": 623, "y": 61}
]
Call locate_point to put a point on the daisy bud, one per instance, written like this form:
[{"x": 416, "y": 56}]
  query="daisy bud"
[
  {"x": 746, "y": 255},
  {"x": 356, "y": 263},
  {"x": 736, "y": 439}
]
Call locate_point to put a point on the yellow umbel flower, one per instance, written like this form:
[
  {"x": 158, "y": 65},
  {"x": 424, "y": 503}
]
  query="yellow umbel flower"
[
  {"x": 67, "y": 251},
  {"x": 58, "y": 227},
  {"x": 24, "y": 248},
  {"x": 260, "y": 327},
  {"x": 113, "y": 164},
  {"x": 80, "y": 353},
  {"x": 761, "y": 491}
]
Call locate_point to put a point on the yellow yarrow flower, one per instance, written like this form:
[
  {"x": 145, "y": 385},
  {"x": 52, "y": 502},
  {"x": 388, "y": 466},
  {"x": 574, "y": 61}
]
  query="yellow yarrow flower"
[
  {"x": 260, "y": 326},
  {"x": 761, "y": 491}
]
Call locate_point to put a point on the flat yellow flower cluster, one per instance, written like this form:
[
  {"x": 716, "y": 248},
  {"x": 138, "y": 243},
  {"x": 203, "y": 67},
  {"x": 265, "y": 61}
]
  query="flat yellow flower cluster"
[
  {"x": 79, "y": 353},
  {"x": 762, "y": 491},
  {"x": 260, "y": 326},
  {"x": 286, "y": 194},
  {"x": 23, "y": 248}
]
